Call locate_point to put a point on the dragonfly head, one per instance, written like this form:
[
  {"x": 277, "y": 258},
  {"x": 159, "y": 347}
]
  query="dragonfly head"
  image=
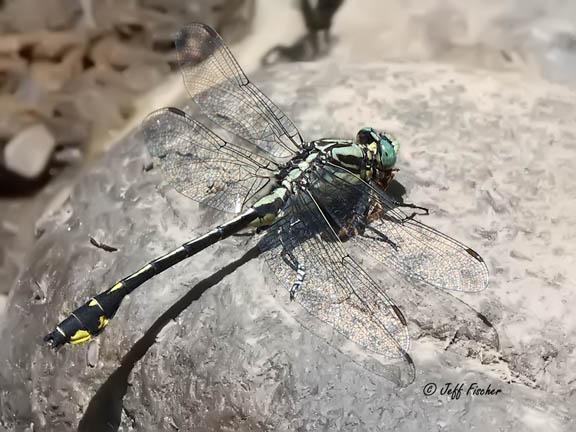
[{"x": 382, "y": 145}]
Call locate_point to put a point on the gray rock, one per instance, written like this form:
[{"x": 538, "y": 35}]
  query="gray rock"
[
  {"x": 28, "y": 153},
  {"x": 533, "y": 37},
  {"x": 8, "y": 265},
  {"x": 208, "y": 346},
  {"x": 21, "y": 223}
]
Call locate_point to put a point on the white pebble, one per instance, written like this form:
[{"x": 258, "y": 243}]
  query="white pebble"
[{"x": 28, "y": 152}]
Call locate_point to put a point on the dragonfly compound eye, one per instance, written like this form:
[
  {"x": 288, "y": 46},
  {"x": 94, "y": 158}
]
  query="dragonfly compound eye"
[
  {"x": 365, "y": 136},
  {"x": 387, "y": 150}
]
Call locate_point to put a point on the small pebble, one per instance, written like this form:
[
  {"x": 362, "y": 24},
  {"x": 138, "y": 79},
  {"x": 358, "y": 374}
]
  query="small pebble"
[
  {"x": 68, "y": 156},
  {"x": 3, "y": 303},
  {"x": 93, "y": 354},
  {"x": 28, "y": 152}
]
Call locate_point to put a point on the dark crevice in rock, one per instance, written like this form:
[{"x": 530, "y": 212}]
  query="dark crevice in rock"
[
  {"x": 104, "y": 411},
  {"x": 13, "y": 185}
]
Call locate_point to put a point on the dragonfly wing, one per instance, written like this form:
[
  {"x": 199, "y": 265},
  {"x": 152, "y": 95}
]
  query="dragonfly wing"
[
  {"x": 334, "y": 288},
  {"x": 224, "y": 94},
  {"x": 401, "y": 242},
  {"x": 412, "y": 255},
  {"x": 201, "y": 165}
]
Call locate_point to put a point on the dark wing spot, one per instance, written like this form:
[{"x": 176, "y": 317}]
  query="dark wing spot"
[
  {"x": 399, "y": 314},
  {"x": 177, "y": 111},
  {"x": 408, "y": 358},
  {"x": 474, "y": 254}
]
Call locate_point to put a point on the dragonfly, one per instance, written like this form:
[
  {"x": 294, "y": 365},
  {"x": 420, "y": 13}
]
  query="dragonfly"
[{"x": 309, "y": 204}]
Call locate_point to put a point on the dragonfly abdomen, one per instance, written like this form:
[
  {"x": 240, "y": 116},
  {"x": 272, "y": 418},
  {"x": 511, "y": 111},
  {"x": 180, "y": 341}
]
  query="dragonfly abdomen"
[
  {"x": 268, "y": 207},
  {"x": 91, "y": 318},
  {"x": 295, "y": 173}
]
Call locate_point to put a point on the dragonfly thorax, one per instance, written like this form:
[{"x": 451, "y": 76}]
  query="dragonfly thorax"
[{"x": 344, "y": 153}]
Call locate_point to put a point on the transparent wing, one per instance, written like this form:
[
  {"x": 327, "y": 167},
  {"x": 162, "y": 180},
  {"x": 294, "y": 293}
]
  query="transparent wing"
[
  {"x": 225, "y": 95},
  {"x": 413, "y": 257},
  {"x": 201, "y": 165},
  {"x": 401, "y": 243},
  {"x": 334, "y": 288}
]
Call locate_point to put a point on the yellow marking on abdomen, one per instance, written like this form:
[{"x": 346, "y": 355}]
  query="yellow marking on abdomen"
[
  {"x": 102, "y": 322},
  {"x": 80, "y": 336},
  {"x": 94, "y": 302},
  {"x": 116, "y": 287}
]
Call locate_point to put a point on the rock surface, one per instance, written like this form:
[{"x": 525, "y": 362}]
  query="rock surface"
[
  {"x": 533, "y": 37},
  {"x": 207, "y": 346},
  {"x": 18, "y": 217}
]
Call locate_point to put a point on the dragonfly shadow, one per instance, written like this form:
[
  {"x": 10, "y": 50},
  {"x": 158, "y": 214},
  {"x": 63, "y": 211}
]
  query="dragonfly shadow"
[
  {"x": 397, "y": 190},
  {"x": 104, "y": 411}
]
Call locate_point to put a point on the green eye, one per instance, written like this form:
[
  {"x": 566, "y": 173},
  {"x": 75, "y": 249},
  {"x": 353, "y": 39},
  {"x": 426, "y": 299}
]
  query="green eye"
[{"x": 387, "y": 152}]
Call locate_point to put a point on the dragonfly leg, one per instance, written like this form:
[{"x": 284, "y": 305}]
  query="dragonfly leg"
[
  {"x": 297, "y": 285},
  {"x": 383, "y": 237},
  {"x": 359, "y": 220},
  {"x": 289, "y": 258},
  {"x": 414, "y": 214},
  {"x": 355, "y": 225},
  {"x": 378, "y": 211}
]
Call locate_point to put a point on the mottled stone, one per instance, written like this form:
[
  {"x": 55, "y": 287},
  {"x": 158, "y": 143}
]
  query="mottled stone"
[
  {"x": 210, "y": 345},
  {"x": 32, "y": 15},
  {"x": 107, "y": 49}
]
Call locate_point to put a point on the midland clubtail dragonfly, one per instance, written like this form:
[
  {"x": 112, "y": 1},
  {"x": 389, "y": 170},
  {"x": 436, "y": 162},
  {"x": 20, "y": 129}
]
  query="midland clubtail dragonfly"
[{"x": 311, "y": 202}]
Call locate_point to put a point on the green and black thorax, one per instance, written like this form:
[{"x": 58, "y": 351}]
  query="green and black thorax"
[{"x": 370, "y": 157}]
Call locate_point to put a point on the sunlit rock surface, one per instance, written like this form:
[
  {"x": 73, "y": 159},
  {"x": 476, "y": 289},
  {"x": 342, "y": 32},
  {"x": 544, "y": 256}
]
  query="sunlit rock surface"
[{"x": 209, "y": 345}]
